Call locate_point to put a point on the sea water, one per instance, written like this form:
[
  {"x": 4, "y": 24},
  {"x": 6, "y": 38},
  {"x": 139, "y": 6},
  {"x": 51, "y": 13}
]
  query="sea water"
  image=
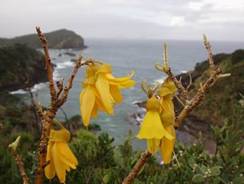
[{"x": 126, "y": 56}]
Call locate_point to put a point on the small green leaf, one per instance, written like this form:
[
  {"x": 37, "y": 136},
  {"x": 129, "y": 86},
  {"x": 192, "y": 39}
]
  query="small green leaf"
[
  {"x": 198, "y": 178},
  {"x": 215, "y": 171},
  {"x": 106, "y": 178},
  {"x": 159, "y": 67}
]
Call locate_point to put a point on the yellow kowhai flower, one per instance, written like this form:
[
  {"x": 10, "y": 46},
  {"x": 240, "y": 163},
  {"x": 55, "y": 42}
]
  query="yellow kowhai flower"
[
  {"x": 101, "y": 90},
  {"x": 90, "y": 101},
  {"x": 152, "y": 128},
  {"x": 59, "y": 156},
  {"x": 166, "y": 94}
]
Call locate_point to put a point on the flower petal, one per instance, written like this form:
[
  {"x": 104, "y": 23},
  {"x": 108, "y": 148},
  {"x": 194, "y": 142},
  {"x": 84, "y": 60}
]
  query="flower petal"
[
  {"x": 49, "y": 169},
  {"x": 87, "y": 102},
  {"x": 59, "y": 166},
  {"x": 152, "y": 127},
  {"x": 116, "y": 93},
  {"x": 103, "y": 88},
  {"x": 167, "y": 146},
  {"x": 153, "y": 145}
]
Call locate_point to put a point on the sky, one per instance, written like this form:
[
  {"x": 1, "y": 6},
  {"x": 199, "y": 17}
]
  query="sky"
[{"x": 127, "y": 19}]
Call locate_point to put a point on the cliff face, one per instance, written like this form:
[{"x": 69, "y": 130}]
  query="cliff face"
[
  {"x": 60, "y": 39},
  {"x": 20, "y": 67},
  {"x": 226, "y": 93}
]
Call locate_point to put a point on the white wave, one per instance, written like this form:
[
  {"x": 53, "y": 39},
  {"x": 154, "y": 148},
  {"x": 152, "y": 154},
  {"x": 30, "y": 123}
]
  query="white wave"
[
  {"x": 56, "y": 75},
  {"x": 19, "y": 91},
  {"x": 35, "y": 88},
  {"x": 183, "y": 71},
  {"x": 159, "y": 81},
  {"x": 38, "y": 87},
  {"x": 65, "y": 64}
]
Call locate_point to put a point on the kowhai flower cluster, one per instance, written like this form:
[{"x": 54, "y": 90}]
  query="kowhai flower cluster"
[
  {"x": 60, "y": 158},
  {"x": 158, "y": 124},
  {"x": 101, "y": 91}
]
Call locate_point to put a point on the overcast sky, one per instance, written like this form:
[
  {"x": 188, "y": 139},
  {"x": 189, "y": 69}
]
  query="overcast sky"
[{"x": 149, "y": 19}]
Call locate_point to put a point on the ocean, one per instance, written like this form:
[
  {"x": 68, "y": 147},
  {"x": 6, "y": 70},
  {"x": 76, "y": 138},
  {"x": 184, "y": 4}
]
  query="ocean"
[{"x": 125, "y": 56}]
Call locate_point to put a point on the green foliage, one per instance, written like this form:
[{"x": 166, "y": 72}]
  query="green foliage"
[
  {"x": 219, "y": 101},
  {"x": 21, "y": 67},
  {"x": 59, "y": 39}
]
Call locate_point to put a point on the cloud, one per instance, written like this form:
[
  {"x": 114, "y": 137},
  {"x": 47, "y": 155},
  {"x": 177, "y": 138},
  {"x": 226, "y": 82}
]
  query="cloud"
[{"x": 178, "y": 19}]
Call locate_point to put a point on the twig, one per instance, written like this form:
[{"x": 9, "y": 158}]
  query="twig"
[
  {"x": 65, "y": 93},
  {"x": 190, "y": 82},
  {"x": 21, "y": 167},
  {"x": 60, "y": 85},
  {"x": 210, "y": 53},
  {"x": 19, "y": 162},
  {"x": 183, "y": 94},
  {"x": 48, "y": 64},
  {"x": 182, "y": 91},
  {"x": 196, "y": 100},
  {"x": 138, "y": 166}
]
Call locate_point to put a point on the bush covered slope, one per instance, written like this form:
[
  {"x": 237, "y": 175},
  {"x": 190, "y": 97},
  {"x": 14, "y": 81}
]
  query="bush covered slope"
[
  {"x": 59, "y": 39},
  {"x": 219, "y": 101},
  {"x": 21, "y": 67}
]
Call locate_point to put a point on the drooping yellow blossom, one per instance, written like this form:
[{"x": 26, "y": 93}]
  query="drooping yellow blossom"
[
  {"x": 59, "y": 156},
  {"x": 101, "y": 91},
  {"x": 166, "y": 94},
  {"x": 152, "y": 128},
  {"x": 109, "y": 86},
  {"x": 158, "y": 124}
]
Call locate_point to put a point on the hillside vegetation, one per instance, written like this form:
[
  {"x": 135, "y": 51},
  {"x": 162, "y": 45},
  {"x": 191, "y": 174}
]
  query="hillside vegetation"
[
  {"x": 59, "y": 39},
  {"x": 21, "y": 67},
  {"x": 218, "y": 104}
]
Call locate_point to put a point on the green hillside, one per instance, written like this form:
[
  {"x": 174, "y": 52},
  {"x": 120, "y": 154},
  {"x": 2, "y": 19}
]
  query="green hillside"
[
  {"x": 59, "y": 39},
  {"x": 21, "y": 67}
]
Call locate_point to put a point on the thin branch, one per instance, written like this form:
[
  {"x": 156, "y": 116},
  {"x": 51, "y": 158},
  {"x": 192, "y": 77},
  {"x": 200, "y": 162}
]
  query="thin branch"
[
  {"x": 210, "y": 53},
  {"x": 48, "y": 64},
  {"x": 190, "y": 82},
  {"x": 60, "y": 86},
  {"x": 138, "y": 166},
  {"x": 179, "y": 100},
  {"x": 21, "y": 167},
  {"x": 196, "y": 100},
  {"x": 182, "y": 91},
  {"x": 19, "y": 162},
  {"x": 69, "y": 84},
  {"x": 166, "y": 68}
]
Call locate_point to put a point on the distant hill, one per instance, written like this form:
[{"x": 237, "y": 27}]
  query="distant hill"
[
  {"x": 20, "y": 67},
  {"x": 60, "y": 39}
]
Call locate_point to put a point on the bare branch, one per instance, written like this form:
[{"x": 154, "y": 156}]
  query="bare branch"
[
  {"x": 196, "y": 100},
  {"x": 190, "y": 82},
  {"x": 69, "y": 84},
  {"x": 210, "y": 53},
  {"x": 19, "y": 162},
  {"x": 48, "y": 65},
  {"x": 138, "y": 166},
  {"x": 60, "y": 85},
  {"x": 166, "y": 68},
  {"x": 21, "y": 167}
]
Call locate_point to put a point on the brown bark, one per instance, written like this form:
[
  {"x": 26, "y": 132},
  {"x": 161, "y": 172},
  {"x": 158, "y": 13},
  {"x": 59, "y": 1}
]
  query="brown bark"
[
  {"x": 138, "y": 166},
  {"x": 58, "y": 98},
  {"x": 21, "y": 167}
]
